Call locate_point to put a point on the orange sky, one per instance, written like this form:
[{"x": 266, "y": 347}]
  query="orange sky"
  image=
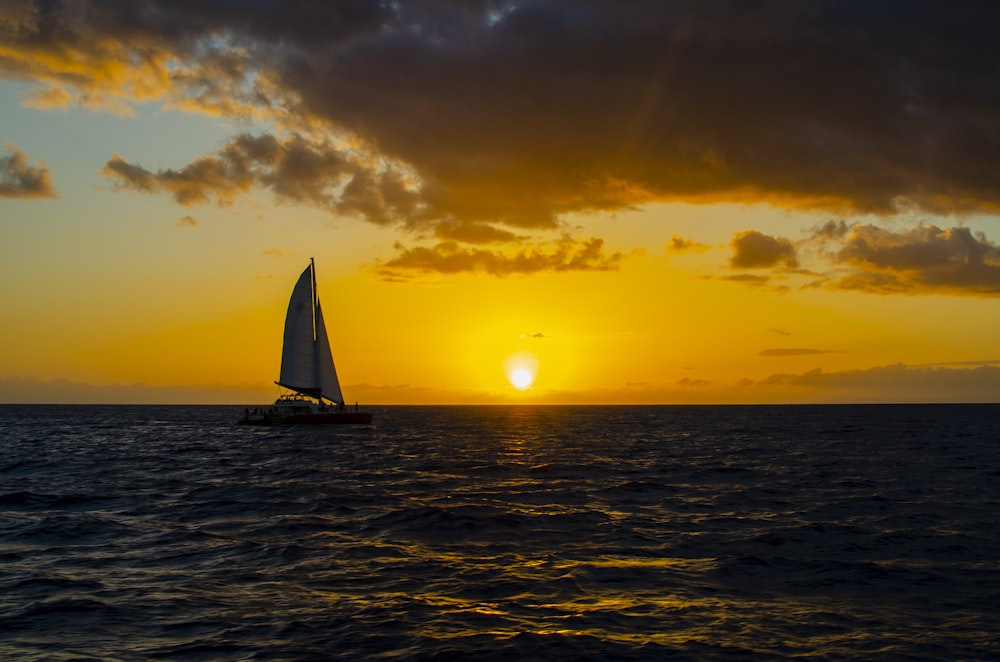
[{"x": 697, "y": 203}]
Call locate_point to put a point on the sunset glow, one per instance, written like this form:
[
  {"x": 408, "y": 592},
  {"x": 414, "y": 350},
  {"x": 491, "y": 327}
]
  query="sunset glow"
[{"x": 572, "y": 185}]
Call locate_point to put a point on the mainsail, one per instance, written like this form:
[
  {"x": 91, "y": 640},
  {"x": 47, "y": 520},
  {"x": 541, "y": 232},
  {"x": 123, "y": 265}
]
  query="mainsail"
[{"x": 306, "y": 359}]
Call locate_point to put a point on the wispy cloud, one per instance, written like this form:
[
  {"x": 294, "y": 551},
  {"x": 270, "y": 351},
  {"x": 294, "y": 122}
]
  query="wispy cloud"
[
  {"x": 20, "y": 180},
  {"x": 679, "y": 245},
  {"x": 471, "y": 232},
  {"x": 747, "y": 279},
  {"x": 568, "y": 254},
  {"x": 965, "y": 363},
  {"x": 296, "y": 169},
  {"x": 832, "y": 230}
]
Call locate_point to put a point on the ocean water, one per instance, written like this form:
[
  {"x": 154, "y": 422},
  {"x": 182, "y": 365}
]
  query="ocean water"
[{"x": 479, "y": 533}]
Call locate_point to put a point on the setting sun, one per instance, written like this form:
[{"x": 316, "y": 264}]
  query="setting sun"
[
  {"x": 521, "y": 369},
  {"x": 521, "y": 378}
]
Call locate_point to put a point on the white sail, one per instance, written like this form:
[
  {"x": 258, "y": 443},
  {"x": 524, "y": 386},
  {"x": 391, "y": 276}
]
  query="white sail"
[
  {"x": 298, "y": 351},
  {"x": 328, "y": 383},
  {"x": 306, "y": 360}
]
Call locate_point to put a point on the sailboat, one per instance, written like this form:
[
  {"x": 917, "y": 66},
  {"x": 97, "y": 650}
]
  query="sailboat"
[{"x": 307, "y": 368}]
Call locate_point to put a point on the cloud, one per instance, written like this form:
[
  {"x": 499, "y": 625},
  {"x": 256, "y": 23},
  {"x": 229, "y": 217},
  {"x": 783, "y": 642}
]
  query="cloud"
[
  {"x": 794, "y": 351},
  {"x": 188, "y": 222},
  {"x": 974, "y": 363},
  {"x": 747, "y": 279},
  {"x": 922, "y": 260},
  {"x": 755, "y": 250},
  {"x": 831, "y": 230},
  {"x": 296, "y": 169},
  {"x": 449, "y": 258},
  {"x": 891, "y": 383},
  {"x": 687, "y": 381},
  {"x": 20, "y": 180},
  {"x": 515, "y": 114},
  {"x": 194, "y": 184},
  {"x": 474, "y": 233},
  {"x": 681, "y": 245}
]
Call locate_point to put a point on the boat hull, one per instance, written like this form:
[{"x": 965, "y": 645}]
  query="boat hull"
[{"x": 300, "y": 410}]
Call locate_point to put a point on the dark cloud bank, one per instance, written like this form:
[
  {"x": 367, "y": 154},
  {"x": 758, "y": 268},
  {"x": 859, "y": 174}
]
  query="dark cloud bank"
[{"x": 479, "y": 121}]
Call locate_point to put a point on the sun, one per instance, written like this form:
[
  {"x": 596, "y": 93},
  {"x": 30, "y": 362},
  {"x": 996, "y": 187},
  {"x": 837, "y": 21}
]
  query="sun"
[
  {"x": 521, "y": 369},
  {"x": 521, "y": 378}
]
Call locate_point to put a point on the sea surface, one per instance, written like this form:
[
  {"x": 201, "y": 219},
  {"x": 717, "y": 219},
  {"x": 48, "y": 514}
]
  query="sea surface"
[{"x": 507, "y": 532}]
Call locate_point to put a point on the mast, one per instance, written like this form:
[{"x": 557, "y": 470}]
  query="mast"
[{"x": 316, "y": 357}]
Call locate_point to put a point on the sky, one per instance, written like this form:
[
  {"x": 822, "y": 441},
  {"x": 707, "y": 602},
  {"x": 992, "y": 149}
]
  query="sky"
[{"x": 538, "y": 201}]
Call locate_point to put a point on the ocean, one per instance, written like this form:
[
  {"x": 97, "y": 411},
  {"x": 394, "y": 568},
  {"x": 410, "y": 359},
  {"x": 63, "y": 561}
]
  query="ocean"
[{"x": 502, "y": 532}]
